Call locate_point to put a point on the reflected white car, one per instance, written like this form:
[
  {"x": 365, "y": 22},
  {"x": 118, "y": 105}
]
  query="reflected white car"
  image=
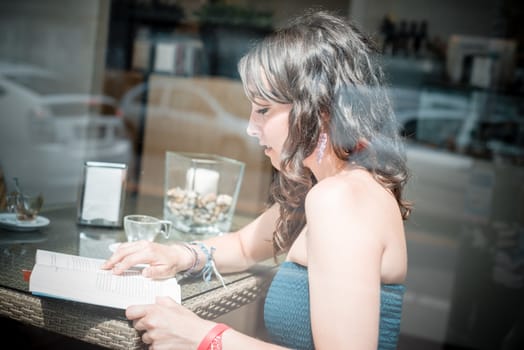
[
  {"x": 47, "y": 133},
  {"x": 188, "y": 112}
]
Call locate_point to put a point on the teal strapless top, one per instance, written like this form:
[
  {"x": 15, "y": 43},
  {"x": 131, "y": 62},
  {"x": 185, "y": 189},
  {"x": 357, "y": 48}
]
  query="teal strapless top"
[{"x": 287, "y": 317}]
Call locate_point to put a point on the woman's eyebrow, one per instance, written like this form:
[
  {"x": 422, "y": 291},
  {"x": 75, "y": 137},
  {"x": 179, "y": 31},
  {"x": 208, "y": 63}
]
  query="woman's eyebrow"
[{"x": 261, "y": 103}]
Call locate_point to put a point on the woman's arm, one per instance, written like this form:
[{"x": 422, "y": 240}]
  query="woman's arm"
[
  {"x": 239, "y": 250},
  {"x": 235, "y": 251},
  {"x": 347, "y": 220},
  {"x": 167, "y": 324}
]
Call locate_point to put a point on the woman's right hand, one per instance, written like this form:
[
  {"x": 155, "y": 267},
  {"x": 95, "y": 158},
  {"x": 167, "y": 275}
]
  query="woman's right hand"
[{"x": 164, "y": 260}]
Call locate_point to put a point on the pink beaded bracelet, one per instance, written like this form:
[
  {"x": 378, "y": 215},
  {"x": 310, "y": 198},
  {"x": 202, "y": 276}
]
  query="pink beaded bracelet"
[{"x": 213, "y": 339}]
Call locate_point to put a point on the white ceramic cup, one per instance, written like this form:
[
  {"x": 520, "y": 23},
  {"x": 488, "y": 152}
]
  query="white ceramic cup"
[{"x": 144, "y": 227}]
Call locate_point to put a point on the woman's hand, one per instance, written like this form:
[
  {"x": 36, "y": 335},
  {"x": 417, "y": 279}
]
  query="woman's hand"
[
  {"x": 168, "y": 325},
  {"x": 164, "y": 260}
]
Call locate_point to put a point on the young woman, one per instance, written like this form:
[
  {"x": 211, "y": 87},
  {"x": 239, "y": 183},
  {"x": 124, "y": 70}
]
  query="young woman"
[{"x": 323, "y": 117}]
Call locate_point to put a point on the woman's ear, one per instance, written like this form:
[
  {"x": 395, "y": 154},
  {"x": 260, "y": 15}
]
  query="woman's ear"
[{"x": 324, "y": 120}]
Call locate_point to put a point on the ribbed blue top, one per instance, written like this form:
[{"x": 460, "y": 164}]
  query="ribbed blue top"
[{"x": 287, "y": 317}]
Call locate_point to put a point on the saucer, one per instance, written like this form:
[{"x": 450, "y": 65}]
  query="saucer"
[{"x": 8, "y": 221}]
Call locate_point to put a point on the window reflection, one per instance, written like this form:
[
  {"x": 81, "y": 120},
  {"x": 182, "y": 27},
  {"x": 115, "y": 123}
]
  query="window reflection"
[
  {"x": 48, "y": 131},
  {"x": 126, "y": 81}
]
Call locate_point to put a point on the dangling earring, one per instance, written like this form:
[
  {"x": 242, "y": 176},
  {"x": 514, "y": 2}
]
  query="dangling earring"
[{"x": 322, "y": 142}]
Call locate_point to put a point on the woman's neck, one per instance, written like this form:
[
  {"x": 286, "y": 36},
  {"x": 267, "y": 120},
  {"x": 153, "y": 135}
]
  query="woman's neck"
[{"x": 330, "y": 165}]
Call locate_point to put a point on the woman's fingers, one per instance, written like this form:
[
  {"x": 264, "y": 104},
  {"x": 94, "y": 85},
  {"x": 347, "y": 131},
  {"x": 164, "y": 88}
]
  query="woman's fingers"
[
  {"x": 161, "y": 260},
  {"x": 160, "y": 271},
  {"x": 146, "y": 338},
  {"x": 128, "y": 255},
  {"x": 136, "y": 312},
  {"x": 166, "y": 301}
]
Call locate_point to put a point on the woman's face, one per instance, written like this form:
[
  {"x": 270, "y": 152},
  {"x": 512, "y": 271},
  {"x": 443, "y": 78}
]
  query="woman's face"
[{"x": 268, "y": 122}]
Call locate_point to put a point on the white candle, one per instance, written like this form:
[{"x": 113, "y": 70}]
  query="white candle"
[{"x": 203, "y": 181}]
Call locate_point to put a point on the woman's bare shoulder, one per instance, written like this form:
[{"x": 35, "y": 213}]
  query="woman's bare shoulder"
[
  {"x": 348, "y": 186},
  {"x": 352, "y": 199}
]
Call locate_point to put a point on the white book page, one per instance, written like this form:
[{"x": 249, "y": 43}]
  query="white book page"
[
  {"x": 74, "y": 262},
  {"x": 74, "y": 278}
]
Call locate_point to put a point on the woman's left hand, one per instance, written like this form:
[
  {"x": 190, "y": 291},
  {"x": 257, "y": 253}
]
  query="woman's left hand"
[{"x": 168, "y": 325}]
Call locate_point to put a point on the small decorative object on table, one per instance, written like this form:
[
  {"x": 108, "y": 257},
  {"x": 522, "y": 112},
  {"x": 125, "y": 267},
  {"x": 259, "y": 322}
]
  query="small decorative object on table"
[
  {"x": 201, "y": 191},
  {"x": 26, "y": 206},
  {"x": 101, "y": 202},
  {"x": 22, "y": 210}
]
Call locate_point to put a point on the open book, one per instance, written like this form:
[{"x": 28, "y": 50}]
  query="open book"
[{"x": 80, "y": 279}]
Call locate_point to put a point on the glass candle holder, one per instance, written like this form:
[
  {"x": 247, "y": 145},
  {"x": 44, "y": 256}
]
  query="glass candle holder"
[{"x": 201, "y": 191}]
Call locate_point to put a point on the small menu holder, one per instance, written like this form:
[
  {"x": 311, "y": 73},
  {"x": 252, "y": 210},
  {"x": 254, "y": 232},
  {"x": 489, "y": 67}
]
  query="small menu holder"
[{"x": 101, "y": 202}]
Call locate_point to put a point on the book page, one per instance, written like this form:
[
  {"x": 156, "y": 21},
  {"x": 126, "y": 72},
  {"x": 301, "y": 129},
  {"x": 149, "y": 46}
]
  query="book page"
[
  {"x": 74, "y": 262},
  {"x": 80, "y": 279}
]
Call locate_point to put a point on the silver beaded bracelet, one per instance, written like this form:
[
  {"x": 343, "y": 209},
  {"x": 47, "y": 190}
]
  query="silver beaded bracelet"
[{"x": 196, "y": 260}]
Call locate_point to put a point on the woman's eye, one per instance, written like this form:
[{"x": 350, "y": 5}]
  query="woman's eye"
[{"x": 262, "y": 110}]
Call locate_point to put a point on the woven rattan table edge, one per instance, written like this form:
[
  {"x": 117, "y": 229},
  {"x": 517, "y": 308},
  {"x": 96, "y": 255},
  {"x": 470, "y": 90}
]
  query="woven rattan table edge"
[{"x": 108, "y": 327}]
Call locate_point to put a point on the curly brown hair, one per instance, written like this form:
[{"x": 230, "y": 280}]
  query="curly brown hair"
[{"x": 322, "y": 65}]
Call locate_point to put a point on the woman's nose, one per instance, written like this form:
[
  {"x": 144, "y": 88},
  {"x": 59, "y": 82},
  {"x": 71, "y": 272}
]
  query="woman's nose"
[{"x": 252, "y": 129}]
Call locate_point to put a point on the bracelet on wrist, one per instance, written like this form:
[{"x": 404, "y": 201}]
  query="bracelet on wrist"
[
  {"x": 213, "y": 339},
  {"x": 209, "y": 267},
  {"x": 196, "y": 260}
]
